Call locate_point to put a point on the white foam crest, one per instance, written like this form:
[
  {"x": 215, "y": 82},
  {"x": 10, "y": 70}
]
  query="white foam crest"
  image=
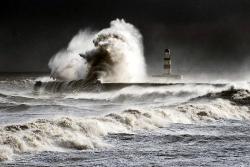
[
  {"x": 66, "y": 133},
  {"x": 214, "y": 110},
  {"x": 44, "y": 79},
  {"x": 55, "y": 135},
  {"x": 62, "y": 134}
]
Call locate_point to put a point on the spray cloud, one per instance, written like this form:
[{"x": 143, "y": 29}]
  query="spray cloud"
[{"x": 114, "y": 54}]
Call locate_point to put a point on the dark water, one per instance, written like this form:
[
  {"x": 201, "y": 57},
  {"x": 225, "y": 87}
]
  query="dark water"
[{"x": 170, "y": 125}]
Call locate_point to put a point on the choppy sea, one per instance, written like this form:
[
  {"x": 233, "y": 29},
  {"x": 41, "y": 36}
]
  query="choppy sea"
[{"x": 187, "y": 124}]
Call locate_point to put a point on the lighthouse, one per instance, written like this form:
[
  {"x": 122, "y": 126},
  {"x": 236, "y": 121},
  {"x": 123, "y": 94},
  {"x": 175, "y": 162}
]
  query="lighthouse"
[
  {"x": 167, "y": 74},
  {"x": 167, "y": 62}
]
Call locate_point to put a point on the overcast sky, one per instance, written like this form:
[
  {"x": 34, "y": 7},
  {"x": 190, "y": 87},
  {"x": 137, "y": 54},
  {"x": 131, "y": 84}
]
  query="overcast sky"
[{"x": 205, "y": 36}]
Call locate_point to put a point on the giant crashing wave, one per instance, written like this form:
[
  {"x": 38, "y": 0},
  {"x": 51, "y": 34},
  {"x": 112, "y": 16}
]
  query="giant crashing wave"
[{"x": 114, "y": 54}]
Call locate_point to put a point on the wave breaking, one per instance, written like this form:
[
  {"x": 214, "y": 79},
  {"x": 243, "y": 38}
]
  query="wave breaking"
[
  {"x": 71, "y": 133},
  {"x": 114, "y": 54}
]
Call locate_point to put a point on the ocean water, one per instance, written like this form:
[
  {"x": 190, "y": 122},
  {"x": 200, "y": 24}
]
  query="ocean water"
[{"x": 187, "y": 124}]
